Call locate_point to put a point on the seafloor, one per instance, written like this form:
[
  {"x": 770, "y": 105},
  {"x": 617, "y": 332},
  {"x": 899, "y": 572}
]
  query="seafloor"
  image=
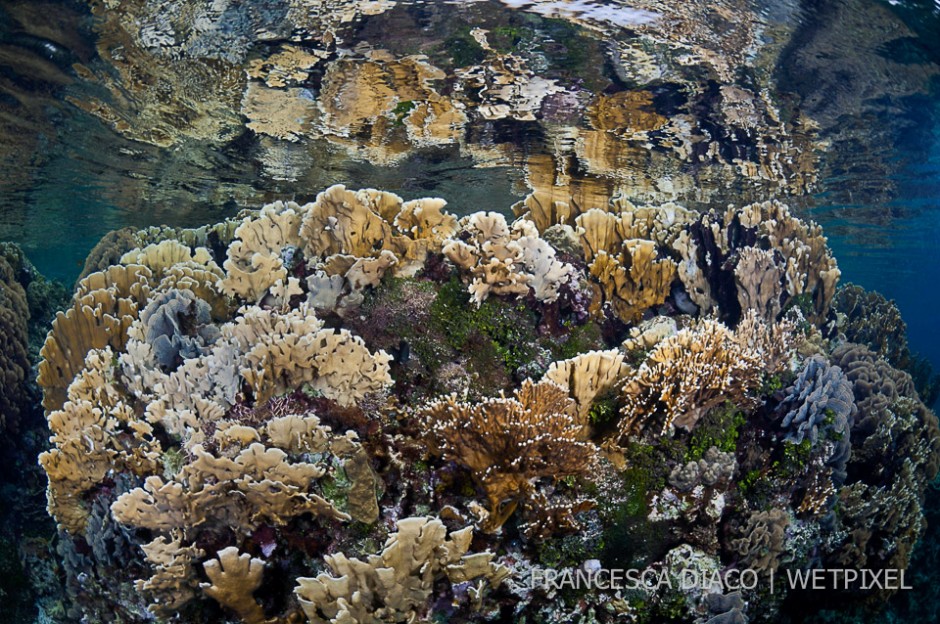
[{"x": 365, "y": 311}]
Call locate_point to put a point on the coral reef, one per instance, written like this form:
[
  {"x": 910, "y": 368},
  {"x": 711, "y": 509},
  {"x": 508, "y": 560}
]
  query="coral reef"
[
  {"x": 238, "y": 409},
  {"x": 241, "y": 415},
  {"x": 14, "y": 348},
  {"x": 28, "y": 568}
]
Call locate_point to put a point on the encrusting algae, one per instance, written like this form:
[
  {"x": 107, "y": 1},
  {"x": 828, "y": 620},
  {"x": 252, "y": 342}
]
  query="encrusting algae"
[{"x": 242, "y": 415}]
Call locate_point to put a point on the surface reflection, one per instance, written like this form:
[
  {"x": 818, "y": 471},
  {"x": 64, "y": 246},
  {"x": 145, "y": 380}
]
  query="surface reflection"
[{"x": 136, "y": 115}]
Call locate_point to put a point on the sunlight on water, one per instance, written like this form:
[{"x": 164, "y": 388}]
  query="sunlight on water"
[{"x": 615, "y": 13}]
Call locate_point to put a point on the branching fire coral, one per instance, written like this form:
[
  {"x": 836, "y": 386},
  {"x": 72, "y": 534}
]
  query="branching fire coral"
[
  {"x": 233, "y": 579},
  {"x": 94, "y": 433},
  {"x": 688, "y": 374},
  {"x": 507, "y": 443}
]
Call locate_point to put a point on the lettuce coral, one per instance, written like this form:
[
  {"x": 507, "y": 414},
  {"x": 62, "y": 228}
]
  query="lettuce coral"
[
  {"x": 762, "y": 545},
  {"x": 867, "y": 318},
  {"x": 821, "y": 408}
]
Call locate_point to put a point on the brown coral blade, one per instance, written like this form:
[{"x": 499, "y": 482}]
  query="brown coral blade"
[
  {"x": 587, "y": 377},
  {"x": 103, "y": 309},
  {"x": 629, "y": 272},
  {"x": 233, "y": 578},
  {"x": 340, "y": 222},
  {"x": 507, "y": 443}
]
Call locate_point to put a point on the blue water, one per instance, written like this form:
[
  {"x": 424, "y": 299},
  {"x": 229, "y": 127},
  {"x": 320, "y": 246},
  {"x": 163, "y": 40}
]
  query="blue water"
[{"x": 900, "y": 255}]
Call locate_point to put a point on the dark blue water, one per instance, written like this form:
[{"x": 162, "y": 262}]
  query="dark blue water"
[{"x": 894, "y": 247}]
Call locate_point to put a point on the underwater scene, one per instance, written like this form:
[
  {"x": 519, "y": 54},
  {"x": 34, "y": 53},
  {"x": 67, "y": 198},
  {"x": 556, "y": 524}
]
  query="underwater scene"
[{"x": 428, "y": 311}]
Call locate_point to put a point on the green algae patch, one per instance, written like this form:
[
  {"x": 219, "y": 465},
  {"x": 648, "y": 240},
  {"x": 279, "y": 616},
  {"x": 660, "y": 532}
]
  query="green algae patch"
[
  {"x": 463, "y": 49},
  {"x": 581, "y": 339},
  {"x": 336, "y": 488},
  {"x": 604, "y": 412},
  {"x": 173, "y": 461},
  {"x": 498, "y": 329},
  {"x": 719, "y": 428},
  {"x": 570, "y": 551}
]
